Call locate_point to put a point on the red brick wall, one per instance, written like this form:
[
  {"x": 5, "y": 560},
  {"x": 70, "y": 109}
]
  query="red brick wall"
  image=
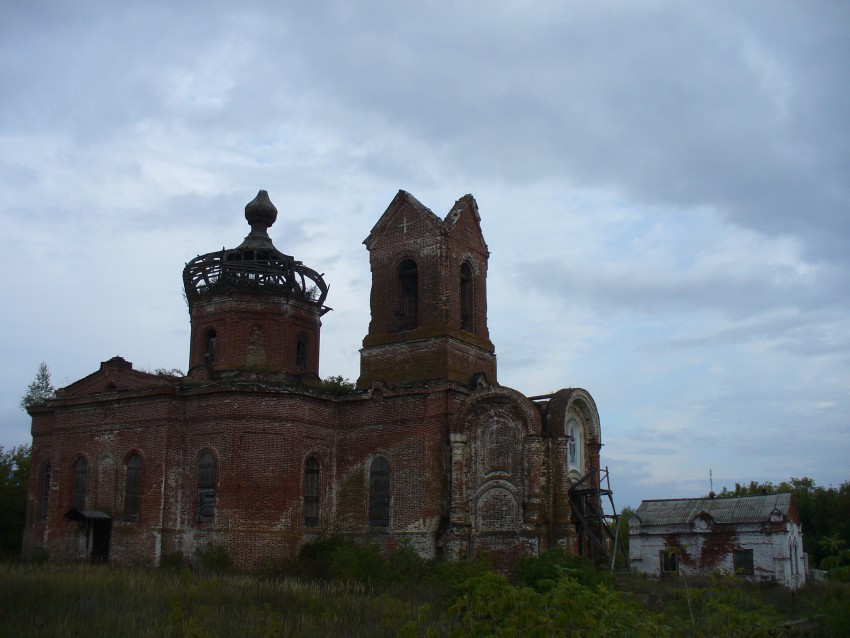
[{"x": 470, "y": 470}]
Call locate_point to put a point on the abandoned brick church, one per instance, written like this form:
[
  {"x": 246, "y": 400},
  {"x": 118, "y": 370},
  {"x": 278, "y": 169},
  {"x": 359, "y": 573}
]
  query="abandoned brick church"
[{"x": 252, "y": 451}]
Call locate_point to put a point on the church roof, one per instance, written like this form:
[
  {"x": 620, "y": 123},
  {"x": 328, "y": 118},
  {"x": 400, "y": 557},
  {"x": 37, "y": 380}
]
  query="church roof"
[
  {"x": 741, "y": 509},
  {"x": 404, "y": 201}
]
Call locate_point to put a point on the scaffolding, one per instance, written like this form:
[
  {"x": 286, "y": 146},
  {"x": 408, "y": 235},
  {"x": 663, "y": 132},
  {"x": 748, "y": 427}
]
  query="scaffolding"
[{"x": 597, "y": 527}]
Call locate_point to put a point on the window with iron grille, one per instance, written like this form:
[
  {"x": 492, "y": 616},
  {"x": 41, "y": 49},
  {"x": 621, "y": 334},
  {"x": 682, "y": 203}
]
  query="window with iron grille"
[
  {"x": 206, "y": 488},
  {"x": 132, "y": 488},
  {"x": 379, "y": 493},
  {"x": 81, "y": 471},
  {"x": 311, "y": 492}
]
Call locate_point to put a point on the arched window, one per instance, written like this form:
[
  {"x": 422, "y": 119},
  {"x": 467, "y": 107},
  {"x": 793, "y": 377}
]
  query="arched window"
[
  {"x": 301, "y": 352},
  {"x": 45, "y": 491},
  {"x": 132, "y": 488},
  {"x": 379, "y": 492},
  {"x": 206, "y": 487},
  {"x": 467, "y": 307},
  {"x": 311, "y": 492},
  {"x": 81, "y": 471},
  {"x": 575, "y": 446},
  {"x": 209, "y": 347},
  {"x": 408, "y": 311}
]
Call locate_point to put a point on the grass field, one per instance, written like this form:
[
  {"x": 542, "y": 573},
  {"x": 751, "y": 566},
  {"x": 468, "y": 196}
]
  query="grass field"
[
  {"x": 348, "y": 591},
  {"x": 48, "y": 600}
]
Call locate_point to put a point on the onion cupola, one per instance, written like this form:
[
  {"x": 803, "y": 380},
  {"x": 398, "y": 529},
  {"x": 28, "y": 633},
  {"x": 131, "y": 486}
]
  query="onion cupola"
[{"x": 253, "y": 307}]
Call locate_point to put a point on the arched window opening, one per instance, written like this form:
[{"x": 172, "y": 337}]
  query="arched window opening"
[
  {"x": 45, "y": 491},
  {"x": 301, "y": 352},
  {"x": 209, "y": 347},
  {"x": 81, "y": 471},
  {"x": 379, "y": 493},
  {"x": 133, "y": 488},
  {"x": 206, "y": 487},
  {"x": 408, "y": 311},
  {"x": 467, "y": 317},
  {"x": 575, "y": 446},
  {"x": 311, "y": 492}
]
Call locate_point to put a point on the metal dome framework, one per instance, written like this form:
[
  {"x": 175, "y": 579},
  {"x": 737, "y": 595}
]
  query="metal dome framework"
[
  {"x": 248, "y": 270},
  {"x": 256, "y": 266}
]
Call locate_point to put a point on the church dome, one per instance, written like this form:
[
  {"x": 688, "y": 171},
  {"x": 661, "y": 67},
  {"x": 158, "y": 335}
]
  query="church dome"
[{"x": 255, "y": 266}]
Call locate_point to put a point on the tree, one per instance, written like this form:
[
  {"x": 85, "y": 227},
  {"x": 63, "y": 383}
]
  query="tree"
[
  {"x": 823, "y": 511},
  {"x": 623, "y": 528},
  {"x": 338, "y": 385},
  {"x": 14, "y": 477},
  {"x": 40, "y": 391}
]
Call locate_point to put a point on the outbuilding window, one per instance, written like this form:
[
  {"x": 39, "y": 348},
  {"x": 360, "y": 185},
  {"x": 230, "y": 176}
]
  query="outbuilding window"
[
  {"x": 132, "y": 488},
  {"x": 206, "y": 487},
  {"x": 379, "y": 492},
  {"x": 742, "y": 560},
  {"x": 669, "y": 561}
]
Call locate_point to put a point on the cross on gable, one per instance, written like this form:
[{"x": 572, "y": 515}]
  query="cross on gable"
[{"x": 404, "y": 224}]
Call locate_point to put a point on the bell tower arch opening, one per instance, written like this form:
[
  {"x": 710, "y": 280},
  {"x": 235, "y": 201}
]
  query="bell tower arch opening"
[{"x": 407, "y": 315}]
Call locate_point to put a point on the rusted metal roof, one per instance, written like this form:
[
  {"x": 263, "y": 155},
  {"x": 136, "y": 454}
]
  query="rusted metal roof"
[{"x": 741, "y": 509}]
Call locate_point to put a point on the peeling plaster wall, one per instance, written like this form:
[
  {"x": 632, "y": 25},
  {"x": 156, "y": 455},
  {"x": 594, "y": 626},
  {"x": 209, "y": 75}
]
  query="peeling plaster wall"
[{"x": 711, "y": 550}]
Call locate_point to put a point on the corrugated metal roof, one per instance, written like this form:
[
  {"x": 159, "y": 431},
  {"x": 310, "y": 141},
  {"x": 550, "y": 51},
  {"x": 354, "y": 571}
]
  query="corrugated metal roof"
[{"x": 741, "y": 509}]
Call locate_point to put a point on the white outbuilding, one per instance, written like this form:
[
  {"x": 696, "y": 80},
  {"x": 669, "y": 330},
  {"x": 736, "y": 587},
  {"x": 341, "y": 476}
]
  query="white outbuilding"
[{"x": 759, "y": 538}]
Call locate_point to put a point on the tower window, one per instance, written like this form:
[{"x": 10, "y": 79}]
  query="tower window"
[
  {"x": 379, "y": 492},
  {"x": 467, "y": 318},
  {"x": 133, "y": 488},
  {"x": 408, "y": 310},
  {"x": 311, "y": 492},
  {"x": 206, "y": 487},
  {"x": 301, "y": 352},
  {"x": 81, "y": 471},
  {"x": 209, "y": 347}
]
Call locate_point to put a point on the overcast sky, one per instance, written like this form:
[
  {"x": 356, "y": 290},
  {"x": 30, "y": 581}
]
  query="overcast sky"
[{"x": 664, "y": 188}]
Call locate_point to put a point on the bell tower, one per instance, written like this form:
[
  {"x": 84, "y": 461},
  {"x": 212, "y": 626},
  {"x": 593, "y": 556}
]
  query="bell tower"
[
  {"x": 253, "y": 307},
  {"x": 429, "y": 296}
]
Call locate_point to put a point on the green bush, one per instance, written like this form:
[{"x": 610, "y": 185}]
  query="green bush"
[
  {"x": 340, "y": 559},
  {"x": 213, "y": 558},
  {"x": 489, "y": 605},
  {"x": 727, "y": 607},
  {"x": 541, "y": 573},
  {"x": 172, "y": 560}
]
